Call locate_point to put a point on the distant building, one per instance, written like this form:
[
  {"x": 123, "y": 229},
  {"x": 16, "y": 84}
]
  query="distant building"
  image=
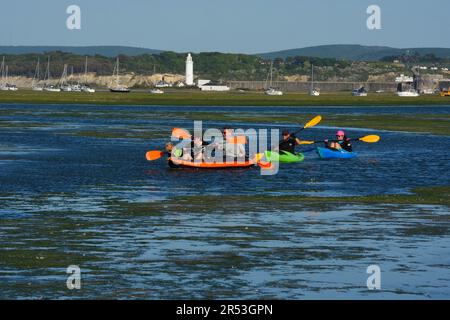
[
  {"x": 202, "y": 82},
  {"x": 405, "y": 83},
  {"x": 404, "y": 78},
  {"x": 207, "y": 85},
  {"x": 189, "y": 70},
  {"x": 427, "y": 83}
]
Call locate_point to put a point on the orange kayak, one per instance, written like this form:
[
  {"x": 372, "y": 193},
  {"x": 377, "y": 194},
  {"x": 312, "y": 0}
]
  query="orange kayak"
[{"x": 178, "y": 163}]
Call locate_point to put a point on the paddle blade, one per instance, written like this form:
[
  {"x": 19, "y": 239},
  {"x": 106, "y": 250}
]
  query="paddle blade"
[
  {"x": 237, "y": 140},
  {"x": 307, "y": 142},
  {"x": 153, "y": 155},
  {"x": 313, "y": 122},
  {"x": 259, "y": 156},
  {"x": 370, "y": 139},
  {"x": 180, "y": 133},
  {"x": 265, "y": 165}
]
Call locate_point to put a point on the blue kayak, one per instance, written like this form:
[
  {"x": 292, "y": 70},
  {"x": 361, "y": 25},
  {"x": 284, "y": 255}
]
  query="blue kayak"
[{"x": 325, "y": 153}]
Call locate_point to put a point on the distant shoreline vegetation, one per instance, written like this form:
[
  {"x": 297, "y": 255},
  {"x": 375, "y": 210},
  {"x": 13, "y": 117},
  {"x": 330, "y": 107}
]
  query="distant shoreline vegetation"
[{"x": 226, "y": 66}]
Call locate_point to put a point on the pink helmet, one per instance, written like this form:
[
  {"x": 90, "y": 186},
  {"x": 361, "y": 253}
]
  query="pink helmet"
[{"x": 340, "y": 133}]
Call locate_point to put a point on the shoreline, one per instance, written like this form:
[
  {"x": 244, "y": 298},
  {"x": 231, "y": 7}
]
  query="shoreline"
[{"x": 217, "y": 99}]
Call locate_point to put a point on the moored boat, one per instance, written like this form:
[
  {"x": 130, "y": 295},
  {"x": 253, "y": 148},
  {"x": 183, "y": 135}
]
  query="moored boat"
[
  {"x": 361, "y": 92},
  {"x": 408, "y": 93},
  {"x": 117, "y": 87},
  {"x": 326, "y": 153},
  {"x": 271, "y": 91}
]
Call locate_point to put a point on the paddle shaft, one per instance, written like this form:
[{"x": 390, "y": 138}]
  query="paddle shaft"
[
  {"x": 321, "y": 141},
  {"x": 295, "y": 132}
]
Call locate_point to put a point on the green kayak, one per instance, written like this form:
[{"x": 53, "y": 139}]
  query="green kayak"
[{"x": 284, "y": 157}]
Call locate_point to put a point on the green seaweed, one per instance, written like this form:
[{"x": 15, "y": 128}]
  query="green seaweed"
[
  {"x": 198, "y": 98},
  {"x": 425, "y": 195}
]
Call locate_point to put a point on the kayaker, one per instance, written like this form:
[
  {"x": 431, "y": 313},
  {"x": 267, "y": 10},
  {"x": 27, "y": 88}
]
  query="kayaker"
[
  {"x": 169, "y": 148},
  {"x": 341, "y": 142},
  {"x": 230, "y": 149},
  {"x": 172, "y": 151},
  {"x": 182, "y": 153},
  {"x": 197, "y": 148},
  {"x": 288, "y": 142}
]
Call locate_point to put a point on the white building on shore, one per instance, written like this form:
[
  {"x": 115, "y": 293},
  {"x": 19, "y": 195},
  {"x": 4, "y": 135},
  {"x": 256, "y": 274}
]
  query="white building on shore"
[
  {"x": 203, "y": 85},
  {"x": 404, "y": 78},
  {"x": 189, "y": 71},
  {"x": 207, "y": 85}
]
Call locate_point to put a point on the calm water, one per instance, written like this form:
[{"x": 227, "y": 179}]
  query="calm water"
[{"x": 75, "y": 189}]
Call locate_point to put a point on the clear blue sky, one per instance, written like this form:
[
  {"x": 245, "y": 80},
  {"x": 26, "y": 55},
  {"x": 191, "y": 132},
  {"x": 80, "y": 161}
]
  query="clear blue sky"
[{"x": 248, "y": 26}]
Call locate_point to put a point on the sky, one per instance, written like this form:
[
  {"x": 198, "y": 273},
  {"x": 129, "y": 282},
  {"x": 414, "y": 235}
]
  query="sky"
[{"x": 246, "y": 26}]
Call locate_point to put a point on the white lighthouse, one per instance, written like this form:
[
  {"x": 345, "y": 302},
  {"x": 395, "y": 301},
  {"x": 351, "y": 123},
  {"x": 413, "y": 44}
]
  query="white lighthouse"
[{"x": 189, "y": 70}]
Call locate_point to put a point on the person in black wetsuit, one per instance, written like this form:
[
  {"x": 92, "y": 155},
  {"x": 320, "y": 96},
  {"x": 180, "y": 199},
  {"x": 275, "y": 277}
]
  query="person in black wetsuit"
[
  {"x": 288, "y": 142},
  {"x": 342, "y": 142}
]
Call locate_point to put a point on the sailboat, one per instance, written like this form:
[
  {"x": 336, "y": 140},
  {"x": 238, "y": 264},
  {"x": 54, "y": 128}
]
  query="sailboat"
[
  {"x": 74, "y": 87},
  {"x": 117, "y": 87},
  {"x": 408, "y": 93},
  {"x": 48, "y": 87},
  {"x": 360, "y": 92},
  {"x": 85, "y": 87},
  {"x": 63, "y": 84},
  {"x": 10, "y": 87},
  {"x": 270, "y": 90},
  {"x": 313, "y": 91},
  {"x": 36, "y": 78},
  {"x": 4, "y": 85}
]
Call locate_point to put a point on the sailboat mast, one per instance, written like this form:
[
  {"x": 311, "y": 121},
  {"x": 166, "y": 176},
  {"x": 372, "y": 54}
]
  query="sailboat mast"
[
  {"x": 47, "y": 71},
  {"x": 63, "y": 79},
  {"x": 85, "y": 71},
  {"x": 3, "y": 70},
  {"x": 117, "y": 77},
  {"x": 36, "y": 74},
  {"x": 271, "y": 70}
]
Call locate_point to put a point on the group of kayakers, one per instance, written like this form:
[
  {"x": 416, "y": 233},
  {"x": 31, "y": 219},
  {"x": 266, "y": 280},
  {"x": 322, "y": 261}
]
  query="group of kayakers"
[
  {"x": 231, "y": 150},
  {"x": 195, "y": 152},
  {"x": 289, "y": 141}
]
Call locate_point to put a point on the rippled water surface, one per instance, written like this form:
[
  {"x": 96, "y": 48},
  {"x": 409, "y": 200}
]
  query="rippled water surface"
[{"x": 75, "y": 189}]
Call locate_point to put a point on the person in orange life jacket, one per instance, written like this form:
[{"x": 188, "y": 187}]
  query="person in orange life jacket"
[
  {"x": 341, "y": 143},
  {"x": 228, "y": 147},
  {"x": 288, "y": 142}
]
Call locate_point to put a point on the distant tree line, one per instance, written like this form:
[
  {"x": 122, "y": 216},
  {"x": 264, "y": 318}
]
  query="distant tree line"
[
  {"x": 209, "y": 65},
  {"x": 416, "y": 57}
]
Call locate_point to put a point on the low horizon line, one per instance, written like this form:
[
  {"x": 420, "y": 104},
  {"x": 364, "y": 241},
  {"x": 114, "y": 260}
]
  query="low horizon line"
[{"x": 231, "y": 52}]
